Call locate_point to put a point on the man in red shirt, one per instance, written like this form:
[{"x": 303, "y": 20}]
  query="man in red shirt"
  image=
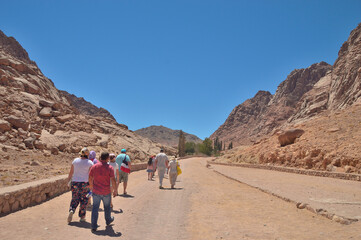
[{"x": 100, "y": 176}]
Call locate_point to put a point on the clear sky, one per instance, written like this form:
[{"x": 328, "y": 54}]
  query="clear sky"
[{"x": 183, "y": 64}]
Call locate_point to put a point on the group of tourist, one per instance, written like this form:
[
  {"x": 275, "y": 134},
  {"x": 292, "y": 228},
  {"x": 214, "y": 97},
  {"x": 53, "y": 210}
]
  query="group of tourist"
[
  {"x": 90, "y": 177},
  {"x": 163, "y": 165}
]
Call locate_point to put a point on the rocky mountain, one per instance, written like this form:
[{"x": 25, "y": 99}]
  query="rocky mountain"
[
  {"x": 326, "y": 108},
  {"x": 39, "y": 123},
  {"x": 265, "y": 112},
  {"x": 165, "y": 135},
  {"x": 87, "y": 108}
]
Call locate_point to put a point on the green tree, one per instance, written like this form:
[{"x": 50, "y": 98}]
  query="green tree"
[
  {"x": 206, "y": 147},
  {"x": 181, "y": 144},
  {"x": 190, "y": 148}
]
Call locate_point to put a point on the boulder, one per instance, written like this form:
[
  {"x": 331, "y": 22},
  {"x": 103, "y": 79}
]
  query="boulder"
[
  {"x": 61, "y": 147},
  {"x": 46, "y": 112},
  {"x": 22, "y": 146},
  {"x": 29, "y": 142},
  {"x": 56, "y": 113},
  {"x": 39, "y": 145},
  {"x": 3, "y": 139},
  {"x": 17, "y": 122},
  {"x": 65, "y": 118},
  {"x": 22, "y": 133},
  {"x": 54, "y": 151},
  {"x": 289, "y": 136},
  {"x": 6, "y": 207},
  {"x": 46, "y": 103},
  {"x": 4, "y": 126}
]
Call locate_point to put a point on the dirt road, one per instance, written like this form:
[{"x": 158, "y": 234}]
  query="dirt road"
[{"x": 205, "y": 205}]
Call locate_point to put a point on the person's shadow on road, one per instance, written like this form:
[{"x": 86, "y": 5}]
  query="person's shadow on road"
[
  {"x": 126, "y": 195},
  {"x": 108, "y": 231},
  {"x": 172, "y": 188},
  {"x": 81, "y": 224}
]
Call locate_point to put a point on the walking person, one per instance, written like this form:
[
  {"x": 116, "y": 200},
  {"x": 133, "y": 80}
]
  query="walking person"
[
  {"x": 123, "y": 161},
  {"x": 92, "y": 157},
  {"x": 173, "y": 173},
  {"x": 100, "y": 176},
  {"x": 79, "y": 177},
  {"x": 154, "y": 166},
  {"x": 162, "y": 164},
  {"x": 116, "y": 173},
  {"x": 150, "y": 169}
]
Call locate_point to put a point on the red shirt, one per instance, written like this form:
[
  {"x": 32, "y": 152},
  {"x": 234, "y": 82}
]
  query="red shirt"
[{"x": 101, "y": 173}]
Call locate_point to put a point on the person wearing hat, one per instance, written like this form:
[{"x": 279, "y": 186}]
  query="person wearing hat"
[
  {"x": 79, "y": 177},
  {"x": 123, "y": 161}
]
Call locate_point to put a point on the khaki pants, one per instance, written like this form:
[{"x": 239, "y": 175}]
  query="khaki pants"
[
  {"x": 173, "y": 178},
  {"x": 161, "y": 171}
]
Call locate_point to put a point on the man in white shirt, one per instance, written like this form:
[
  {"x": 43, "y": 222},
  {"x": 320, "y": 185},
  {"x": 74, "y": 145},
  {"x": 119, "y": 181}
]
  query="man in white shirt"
[{"x": 161, "y": 161}]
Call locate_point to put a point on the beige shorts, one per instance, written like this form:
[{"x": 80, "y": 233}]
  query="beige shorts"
[{"x": 123, "y": 176}]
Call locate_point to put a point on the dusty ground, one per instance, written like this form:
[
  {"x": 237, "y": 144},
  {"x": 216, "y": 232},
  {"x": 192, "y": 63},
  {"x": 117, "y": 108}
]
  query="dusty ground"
[{"x": 206, "y": 205}]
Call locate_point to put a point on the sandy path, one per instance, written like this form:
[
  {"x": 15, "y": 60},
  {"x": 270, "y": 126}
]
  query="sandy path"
[{"x": 206, "y": 206}]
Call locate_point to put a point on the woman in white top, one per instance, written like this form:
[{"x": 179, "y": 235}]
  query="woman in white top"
[
  {"x": 173, "y": 172},
  {"x": 79, "y": 176},
  {"x": 116, "y": 173}
]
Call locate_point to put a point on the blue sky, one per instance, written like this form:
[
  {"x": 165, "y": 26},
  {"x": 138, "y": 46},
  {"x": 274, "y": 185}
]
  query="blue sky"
[{"x": 181, "y": 64}]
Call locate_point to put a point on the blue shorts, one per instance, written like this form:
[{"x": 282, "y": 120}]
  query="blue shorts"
[{"x": 149, "y": 170}]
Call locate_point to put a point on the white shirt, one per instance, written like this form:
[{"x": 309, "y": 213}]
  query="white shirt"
[
  {"x": 115, "y": 166},
  {"x": 81, "y": 170},
  {"x": 161, "y": 158},
  {"x": 173, "y": 166}
]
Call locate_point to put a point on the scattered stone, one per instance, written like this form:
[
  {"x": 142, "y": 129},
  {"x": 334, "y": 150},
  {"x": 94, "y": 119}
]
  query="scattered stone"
[
  {"x": 22, "y": 146},
  {"x": 29, "y": 142},
  {"x": 39, "y": 145},
  {"x": 301, "y": 205},
  {"x": 34, "y": 163},
  {"x": 54, "y": 151},
  {"x": 3, "y": 138},
  {"x": 61, "y": 147},
  {"x": 4, "y": 126},
  {"x": 332, "y": 130},
  {"x": 18, "y": 122}
]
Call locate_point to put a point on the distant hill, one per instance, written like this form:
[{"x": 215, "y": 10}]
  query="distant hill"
[{"x": 166, "y": 136}]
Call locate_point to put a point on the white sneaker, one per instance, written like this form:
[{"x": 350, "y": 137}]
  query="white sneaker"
[{"x": 70, "y": 216}]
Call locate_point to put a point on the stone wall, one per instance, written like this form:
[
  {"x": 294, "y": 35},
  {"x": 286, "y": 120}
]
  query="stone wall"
[
  {"x": 346, "y": 176},
  {"x": 17, "y": 197}
]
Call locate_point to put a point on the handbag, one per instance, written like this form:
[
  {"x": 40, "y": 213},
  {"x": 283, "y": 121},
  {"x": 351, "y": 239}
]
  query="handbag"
[{"x": 179, "y": 170}]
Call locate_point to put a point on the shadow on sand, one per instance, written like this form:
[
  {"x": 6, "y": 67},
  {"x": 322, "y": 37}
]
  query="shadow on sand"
[
  {"x": 126, "y": 195},
  {"x": 172, "y": 189},
  {"x": 108, "y": 231},
  {"x": 80, "y": 224}
]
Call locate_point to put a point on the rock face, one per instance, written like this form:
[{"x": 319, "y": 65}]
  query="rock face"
[
  {"x": 345, "y": 89},
  {"x": 86, "y": 107},
  {"x": 327, "y": 109},
  {"x": 165, "y": 135},
  {"x": 340, "y": 88},
  {"x": 36, "y": 118},
  {"x": 265, "y": 112}
]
